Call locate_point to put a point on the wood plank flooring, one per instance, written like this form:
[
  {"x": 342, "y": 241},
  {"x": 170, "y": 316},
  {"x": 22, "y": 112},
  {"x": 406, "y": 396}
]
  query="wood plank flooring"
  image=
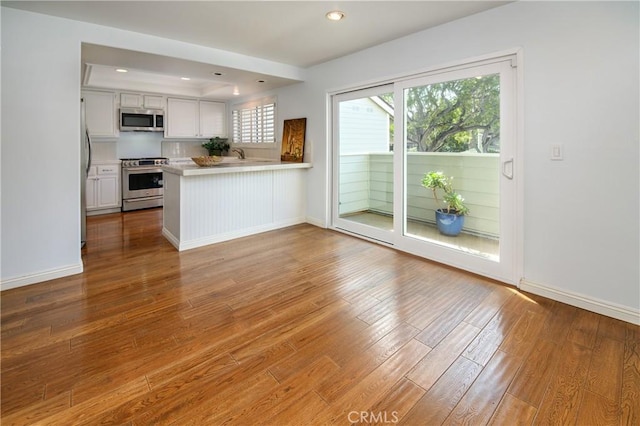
[{"x": 300, "y": 326}]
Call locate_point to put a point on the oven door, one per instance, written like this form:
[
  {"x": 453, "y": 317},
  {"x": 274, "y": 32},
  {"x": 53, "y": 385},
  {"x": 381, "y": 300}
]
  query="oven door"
[{"x": 141, "y": 182}]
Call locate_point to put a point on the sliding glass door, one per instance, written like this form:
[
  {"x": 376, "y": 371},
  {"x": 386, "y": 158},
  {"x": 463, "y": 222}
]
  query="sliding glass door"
[
  {"x": 456, "y": 168},
  {"x": 408, "y": 153},
  {"x": 363, "y": 163}
]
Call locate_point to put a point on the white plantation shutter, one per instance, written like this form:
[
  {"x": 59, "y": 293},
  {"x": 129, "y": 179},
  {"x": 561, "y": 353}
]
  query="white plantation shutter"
[{"x": 254, "y": 122}]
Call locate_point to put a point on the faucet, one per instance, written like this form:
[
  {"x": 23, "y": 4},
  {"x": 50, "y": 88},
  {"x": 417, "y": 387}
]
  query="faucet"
[{"x": 240, "y": 152}]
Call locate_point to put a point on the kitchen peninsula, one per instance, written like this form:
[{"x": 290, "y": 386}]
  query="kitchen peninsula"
[{"x": 207, "y": 205}]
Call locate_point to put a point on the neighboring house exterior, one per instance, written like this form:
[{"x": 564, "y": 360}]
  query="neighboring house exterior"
[{"x": 364, "y": 126}]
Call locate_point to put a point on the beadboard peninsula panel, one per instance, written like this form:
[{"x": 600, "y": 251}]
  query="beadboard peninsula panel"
[
  {"x": 171, "y": 210},
  {"x": 202, "y": 209},
  {"x": 289, "y": 188},
  {"x": 226, "y": 203}
]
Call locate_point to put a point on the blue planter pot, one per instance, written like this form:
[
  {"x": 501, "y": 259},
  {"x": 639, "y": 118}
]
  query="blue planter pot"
[{"x": 449, "y": 223}]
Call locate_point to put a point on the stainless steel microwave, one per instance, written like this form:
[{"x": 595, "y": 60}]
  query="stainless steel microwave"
[{"x": 141, "y": 120}]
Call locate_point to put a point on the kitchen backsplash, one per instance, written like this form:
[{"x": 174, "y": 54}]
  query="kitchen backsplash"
[
  {"x": 183, "y": 148},
  {"x": 104, "y": 150},
  {"x": 151, "y": 144},
  {"x": 139, "y": 144},
  {"x": 143, "y": 144}
]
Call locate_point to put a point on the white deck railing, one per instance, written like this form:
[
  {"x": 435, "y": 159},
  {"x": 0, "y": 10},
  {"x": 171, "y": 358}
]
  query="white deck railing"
[{"x": 366, "y": 184}]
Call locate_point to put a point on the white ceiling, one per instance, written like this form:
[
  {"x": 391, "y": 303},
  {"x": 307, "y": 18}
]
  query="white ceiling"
[
  {"x": 290, "y": 32},
  {"x": 161, "y": 74}
]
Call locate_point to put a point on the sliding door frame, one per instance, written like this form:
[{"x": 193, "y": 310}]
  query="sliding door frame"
[{"x": 517, "y": 260}]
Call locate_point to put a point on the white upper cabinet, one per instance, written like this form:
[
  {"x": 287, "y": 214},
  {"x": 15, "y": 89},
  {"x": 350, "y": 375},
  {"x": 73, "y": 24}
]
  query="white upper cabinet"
[
  {"x": 130, "y": 100},
  {"x": 153, "y": 102},
  {"x": 182, "y": 118},
  {"x": 190, "y": 118},
  {"x": 135, "y": 100},
  {"x": 100, "y": 113},
  {"x": 212, "y": 119}
]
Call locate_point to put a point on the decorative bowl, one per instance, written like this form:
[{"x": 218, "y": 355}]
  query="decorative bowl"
[{"x": 207, "y": 161}]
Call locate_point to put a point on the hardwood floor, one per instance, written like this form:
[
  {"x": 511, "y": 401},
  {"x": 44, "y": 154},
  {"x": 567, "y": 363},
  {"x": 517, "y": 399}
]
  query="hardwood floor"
[{"x": 300, "y": 326}]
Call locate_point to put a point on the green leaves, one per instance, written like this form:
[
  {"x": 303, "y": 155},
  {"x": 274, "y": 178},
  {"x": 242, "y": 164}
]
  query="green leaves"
[
  {"x": 435, "y": 180},
  {"x": 216, "y": 144},
  {"x": 455, "y": 202},
  {"x": 455, "y": 116},
  {"x": 438, "y": 180}
]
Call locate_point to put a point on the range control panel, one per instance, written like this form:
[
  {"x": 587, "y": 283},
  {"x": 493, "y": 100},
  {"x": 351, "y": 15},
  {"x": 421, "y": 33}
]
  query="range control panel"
[{"x": 138, "y": 162}]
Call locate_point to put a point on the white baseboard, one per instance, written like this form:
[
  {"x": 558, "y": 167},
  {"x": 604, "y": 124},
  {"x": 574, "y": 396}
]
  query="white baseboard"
[
  {"x": 103, "y": 211},
  {"x": 41, "y": 276},
  {"x": 171, "y": 238},
  {"x": 603, "y": 307},
  {"x": 218, "y": 238},
  {"x": 316, "y": 222}
]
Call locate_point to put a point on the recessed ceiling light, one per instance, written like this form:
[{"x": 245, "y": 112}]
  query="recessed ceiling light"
[
  {"x": 335, "y": 15},
  {"x": 185, "y": 78},
  {"x": 260, "y": 81},
  {"x": 121, "y": 70},
  {"x": 216, "y": 73}
]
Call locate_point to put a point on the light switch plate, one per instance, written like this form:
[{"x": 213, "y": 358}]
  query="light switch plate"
[{"x": 557, "y": 153}]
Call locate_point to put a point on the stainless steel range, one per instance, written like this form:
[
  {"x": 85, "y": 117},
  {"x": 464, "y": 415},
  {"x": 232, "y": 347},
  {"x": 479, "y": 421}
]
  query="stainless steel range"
[{"x": 142, "y": 183}]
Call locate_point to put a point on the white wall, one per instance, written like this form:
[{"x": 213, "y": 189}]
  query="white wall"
[
  {"x": 581, "y": 67},
  {"x": 41, "y": 162}
]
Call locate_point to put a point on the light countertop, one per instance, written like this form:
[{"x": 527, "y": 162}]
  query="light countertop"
[
  {"x": 95, "y": 162},
  {"x": 189, "y": 168}
]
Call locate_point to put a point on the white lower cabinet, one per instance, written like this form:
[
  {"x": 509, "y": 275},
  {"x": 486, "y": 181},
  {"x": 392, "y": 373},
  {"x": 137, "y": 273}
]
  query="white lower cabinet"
[{"x": 103, "y": 189}]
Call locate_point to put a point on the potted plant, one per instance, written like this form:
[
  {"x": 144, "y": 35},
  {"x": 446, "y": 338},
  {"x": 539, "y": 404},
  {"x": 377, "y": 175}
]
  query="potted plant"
[
  {"x": 216, "y": 146},
  {"x": 451, "y": 219}
]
